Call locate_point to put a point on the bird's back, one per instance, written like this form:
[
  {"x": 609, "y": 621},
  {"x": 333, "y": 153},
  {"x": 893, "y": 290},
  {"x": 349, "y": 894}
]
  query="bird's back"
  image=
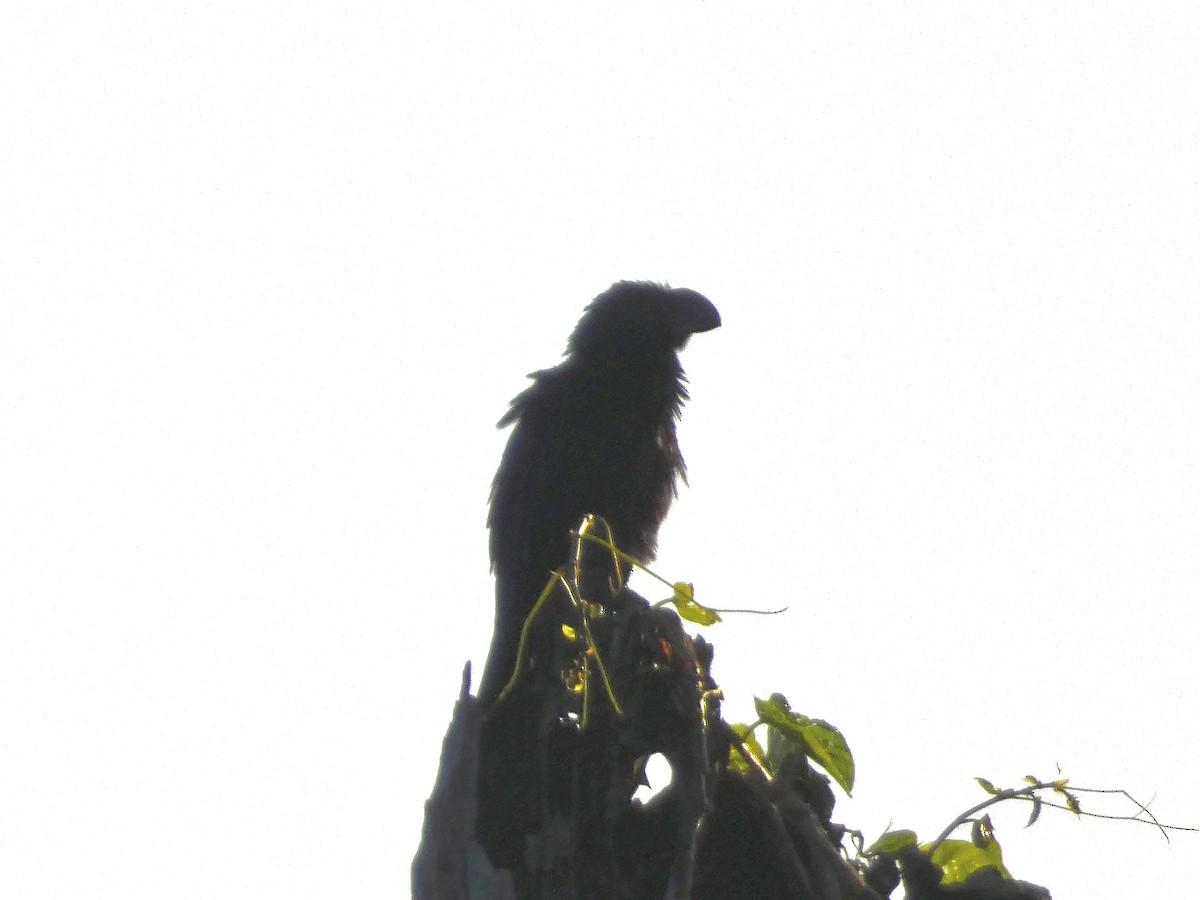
[{"x": 577, "y": 447}]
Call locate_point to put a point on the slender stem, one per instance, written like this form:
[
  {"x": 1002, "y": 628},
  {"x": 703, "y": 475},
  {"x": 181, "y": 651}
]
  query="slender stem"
[
  {"x": 537, "y": 607},
  {"x": 1028, "y": 793},
  {"x": 965, "y": 817}
]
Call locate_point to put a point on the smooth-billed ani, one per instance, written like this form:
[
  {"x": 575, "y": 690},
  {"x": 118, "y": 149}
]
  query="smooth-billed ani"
[{"x": 595, "y": 434}]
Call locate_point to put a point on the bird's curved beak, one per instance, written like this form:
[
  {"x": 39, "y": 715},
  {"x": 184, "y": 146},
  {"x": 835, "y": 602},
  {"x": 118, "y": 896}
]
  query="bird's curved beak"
[{"x": 696, "y": 312}]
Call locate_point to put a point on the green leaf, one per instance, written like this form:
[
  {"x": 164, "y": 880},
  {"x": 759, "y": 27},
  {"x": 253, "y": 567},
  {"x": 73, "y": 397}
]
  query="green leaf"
[
  {"x": 1037, "y": 811},
  {"x": 737, "y": 762},
  {"x": 892, "y": 842},
  {"x": 687, "y": 607},
  {"x": 960, "y": 860},
  {"x": 987, "y": 785},
  {"x": 823, "y": 743}
]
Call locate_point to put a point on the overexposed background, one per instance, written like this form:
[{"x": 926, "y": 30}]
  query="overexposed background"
[{"x": 270, "y": 272}]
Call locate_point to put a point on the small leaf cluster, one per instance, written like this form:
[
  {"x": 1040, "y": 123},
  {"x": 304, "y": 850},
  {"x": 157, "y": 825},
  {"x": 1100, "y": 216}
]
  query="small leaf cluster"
[{"x": 960, "y": 859}]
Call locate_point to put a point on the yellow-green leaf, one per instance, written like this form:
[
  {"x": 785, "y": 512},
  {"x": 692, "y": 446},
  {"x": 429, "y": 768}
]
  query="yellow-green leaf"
[
  {"x": 960, "y": 860},
  {"x": 823, "y": 743},
  {"x": 892, "y": 842},
  {"x": 987, "y": 785},
  {"x": 687, "y": 607},
  {"x": 737, "y": 762}
]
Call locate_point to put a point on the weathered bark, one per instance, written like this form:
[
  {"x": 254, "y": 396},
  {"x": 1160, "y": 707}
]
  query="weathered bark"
[{"x": 450, "y": 863}]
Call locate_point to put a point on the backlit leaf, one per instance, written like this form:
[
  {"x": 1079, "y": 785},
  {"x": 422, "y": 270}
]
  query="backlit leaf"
[
  {"x": 823, "y": 743},
  {"x": 892, "y": 842},
  {"x": 687, "y": 607},
  {"x": 960, "y": 860},
  {"x": 737, "y": 762}
]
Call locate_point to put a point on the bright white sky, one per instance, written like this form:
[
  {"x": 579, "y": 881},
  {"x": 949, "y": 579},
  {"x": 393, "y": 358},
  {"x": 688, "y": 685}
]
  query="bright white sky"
[{"x": 272, "y": 271}]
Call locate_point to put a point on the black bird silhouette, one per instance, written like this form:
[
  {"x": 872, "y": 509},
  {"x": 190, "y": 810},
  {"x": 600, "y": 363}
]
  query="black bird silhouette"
[{"x": 595, "y": 434}]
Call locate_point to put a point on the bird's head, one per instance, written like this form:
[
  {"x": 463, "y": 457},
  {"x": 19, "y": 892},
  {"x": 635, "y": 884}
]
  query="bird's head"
[{"x": 641, "y": 317}]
